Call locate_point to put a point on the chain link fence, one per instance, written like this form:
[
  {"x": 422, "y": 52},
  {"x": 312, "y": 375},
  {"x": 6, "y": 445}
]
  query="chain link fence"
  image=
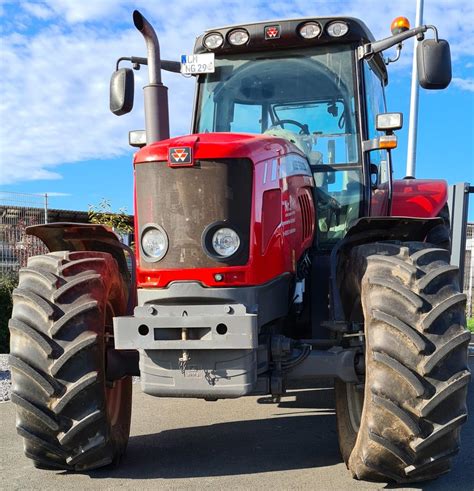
[{"x": 18, "y": 211}]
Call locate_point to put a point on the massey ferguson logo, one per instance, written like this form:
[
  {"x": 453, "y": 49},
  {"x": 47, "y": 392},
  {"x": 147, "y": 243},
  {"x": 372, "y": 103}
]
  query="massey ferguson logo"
[
  {"x": 180, "y": 156},
  {"x": 272, "y": 32}
]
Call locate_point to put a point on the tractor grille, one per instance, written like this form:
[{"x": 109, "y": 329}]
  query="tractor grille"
[
  {"x": 306, "y": 215},
  {"x": 185, "y": 201}
]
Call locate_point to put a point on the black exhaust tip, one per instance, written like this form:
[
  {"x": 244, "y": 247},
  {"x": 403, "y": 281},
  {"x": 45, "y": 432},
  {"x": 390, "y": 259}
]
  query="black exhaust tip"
[{"x": 138, "y": 20}]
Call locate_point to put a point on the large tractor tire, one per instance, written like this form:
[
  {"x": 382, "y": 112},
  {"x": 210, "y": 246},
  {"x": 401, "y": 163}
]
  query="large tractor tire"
[
  {"x": 440, "y": 236},
  {"x": 68, "y": 414},
  {"x": 402, "y": 421}
]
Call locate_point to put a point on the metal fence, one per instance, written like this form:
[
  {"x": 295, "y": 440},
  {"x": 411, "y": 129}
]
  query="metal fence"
[
  {"x": 469, "y": 270},
  {"x": 18, "y": 211}
]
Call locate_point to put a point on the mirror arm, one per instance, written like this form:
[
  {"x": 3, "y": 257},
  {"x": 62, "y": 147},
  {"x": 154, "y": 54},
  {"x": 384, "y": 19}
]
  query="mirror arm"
[
  {"x": 168, "y": 65},
  {"x": 370, "y": 49},
  {"x": 397, "y": 56}
]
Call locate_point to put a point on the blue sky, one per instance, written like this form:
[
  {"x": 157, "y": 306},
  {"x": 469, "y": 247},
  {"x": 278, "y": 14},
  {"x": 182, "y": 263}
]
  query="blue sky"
[{"x": 56, "y": 56}]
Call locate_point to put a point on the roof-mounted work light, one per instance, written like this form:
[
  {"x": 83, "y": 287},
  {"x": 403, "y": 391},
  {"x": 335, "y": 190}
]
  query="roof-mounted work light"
[
  {"x": 213, "y": 40},
  {"x": 238, "y": 37},
  {"x": 337, "y": 29},
  {"x": 310, "y": 30}
]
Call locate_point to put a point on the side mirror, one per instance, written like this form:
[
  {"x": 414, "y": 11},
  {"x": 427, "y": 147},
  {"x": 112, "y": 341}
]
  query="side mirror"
[
  {"x": 434, "y": 63},
  {"x": 122, "y": 87}
]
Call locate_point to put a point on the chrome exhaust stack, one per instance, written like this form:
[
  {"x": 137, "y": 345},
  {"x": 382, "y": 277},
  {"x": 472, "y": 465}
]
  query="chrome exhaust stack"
[{"x": 155, "y": 93}]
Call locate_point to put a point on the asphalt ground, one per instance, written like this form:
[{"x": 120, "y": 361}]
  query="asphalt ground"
[{"x": 229, "y": 444}]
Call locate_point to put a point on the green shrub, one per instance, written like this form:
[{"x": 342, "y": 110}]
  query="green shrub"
[
  {"x": 7, "y": 283},
  {"x": 470, "y": 324}
]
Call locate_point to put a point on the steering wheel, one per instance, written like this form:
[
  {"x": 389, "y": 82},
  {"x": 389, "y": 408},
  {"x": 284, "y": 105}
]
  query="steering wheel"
[
  {"x": 326, "y": 203},
  {"x": 326, "y": 199},
  {"x": 304, "y": 127}
]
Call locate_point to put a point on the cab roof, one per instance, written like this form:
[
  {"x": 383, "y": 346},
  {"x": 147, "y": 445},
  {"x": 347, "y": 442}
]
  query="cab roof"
[{"x": 288, "y": 36}]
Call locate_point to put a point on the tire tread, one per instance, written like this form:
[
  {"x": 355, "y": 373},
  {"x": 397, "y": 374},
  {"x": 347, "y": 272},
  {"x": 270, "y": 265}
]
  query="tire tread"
[{"x": 416, "y": 362}]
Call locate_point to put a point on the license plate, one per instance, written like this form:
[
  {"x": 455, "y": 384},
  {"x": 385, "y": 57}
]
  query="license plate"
[{"x": 195, "y": 64}]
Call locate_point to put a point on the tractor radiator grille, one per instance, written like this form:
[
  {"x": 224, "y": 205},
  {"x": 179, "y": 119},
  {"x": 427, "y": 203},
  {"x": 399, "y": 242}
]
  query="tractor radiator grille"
[
  {"x": 185, "y": 201},
  {"x": 305, "y": 207}
]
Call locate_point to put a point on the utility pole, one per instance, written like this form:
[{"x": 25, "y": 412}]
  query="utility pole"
[
  {"x": 412, "y": 127},
  {"x": 45, "y": 207}
]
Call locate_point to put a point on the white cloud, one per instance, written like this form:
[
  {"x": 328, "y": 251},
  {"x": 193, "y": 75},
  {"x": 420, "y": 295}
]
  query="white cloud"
[
  {"x": 54, "y": 84},
  {"x": 55, "y": 101},
  {"x": 464, "y": 84},
  {"x": 54, "y": 194},
  {"x": 38, "y": 10}
]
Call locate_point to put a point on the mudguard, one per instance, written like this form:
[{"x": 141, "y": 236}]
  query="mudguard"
[
  {"x": 64, "y": 236},
  {"x": 418, "y": 197}
]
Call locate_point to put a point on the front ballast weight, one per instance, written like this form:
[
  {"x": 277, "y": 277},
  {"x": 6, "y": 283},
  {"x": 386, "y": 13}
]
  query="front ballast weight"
[
  {"x": 214, "y": 351},
  {"x": 192, "y": 350}
]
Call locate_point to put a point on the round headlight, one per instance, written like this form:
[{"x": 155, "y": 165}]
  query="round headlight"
[
  {"x": 225, "y": 242},
  {"x": 213, "y": 40},
  {"x": 310, "y": 30},
  {"x": 238, "y": 37},
  {"x": 337, "y": 29},
  {"x": 154, "y": 243}
]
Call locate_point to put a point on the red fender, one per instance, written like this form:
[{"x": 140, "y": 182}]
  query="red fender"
[{"x": 422, "y": 198}]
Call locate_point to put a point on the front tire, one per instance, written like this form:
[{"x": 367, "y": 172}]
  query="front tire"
[
  {"x": 68, "y": 414},
  {"x": 413, "y": 402}
]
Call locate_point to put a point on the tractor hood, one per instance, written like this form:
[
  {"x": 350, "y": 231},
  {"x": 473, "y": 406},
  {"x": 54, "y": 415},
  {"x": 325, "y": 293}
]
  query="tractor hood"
[
  {"x": 188, "y": 188},
  {"x": 184, "y": 150}
]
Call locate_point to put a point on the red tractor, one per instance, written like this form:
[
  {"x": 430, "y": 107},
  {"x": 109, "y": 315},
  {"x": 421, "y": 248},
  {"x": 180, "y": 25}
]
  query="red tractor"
[{"x": 273, "y": 250}]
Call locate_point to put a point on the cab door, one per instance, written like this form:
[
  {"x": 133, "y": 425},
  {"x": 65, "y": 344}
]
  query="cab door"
[{"x": 379, "y": 160}]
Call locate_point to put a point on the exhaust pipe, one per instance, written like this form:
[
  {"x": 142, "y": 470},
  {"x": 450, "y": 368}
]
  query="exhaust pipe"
[{"x": 155, "y": 94}]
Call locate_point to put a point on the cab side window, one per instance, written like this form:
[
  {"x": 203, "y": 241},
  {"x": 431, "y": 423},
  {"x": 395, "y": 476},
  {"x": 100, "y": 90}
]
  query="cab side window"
[
  {"x": 379, "y": 160},
  {"x": 375, "y": 104}
]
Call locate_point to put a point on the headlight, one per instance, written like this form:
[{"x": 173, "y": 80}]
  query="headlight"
[
  {"x": 213, "y": 40},
  {"x": 337, "y": 29},
  {"x": 225, "y": 242},
  {"x": 154, "y": 243},
  {"x": 238, "y": 37}
]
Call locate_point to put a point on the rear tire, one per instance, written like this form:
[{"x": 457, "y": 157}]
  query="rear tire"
[
  {"x": 68, "y": 414},
  {"x": 404, "y": 424},
  {"x": 440, "y": 236}
]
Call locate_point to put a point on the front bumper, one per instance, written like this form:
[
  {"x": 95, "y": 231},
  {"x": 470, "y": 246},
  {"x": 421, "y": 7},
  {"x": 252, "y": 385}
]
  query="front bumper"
[{"x": 207, "y": 351}]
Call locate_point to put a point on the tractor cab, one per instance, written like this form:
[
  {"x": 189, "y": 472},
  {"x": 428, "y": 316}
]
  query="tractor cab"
[
  {"x": 302, "y": 81},
  {"x": 318, "y": 83}
]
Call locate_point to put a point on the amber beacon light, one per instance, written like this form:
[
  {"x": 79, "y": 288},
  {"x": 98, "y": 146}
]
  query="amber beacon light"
[{"x": 400, "y": 24}]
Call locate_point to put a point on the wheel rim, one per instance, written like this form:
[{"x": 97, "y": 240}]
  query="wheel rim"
[
  {"x": 113, "y": 390},
  {"x": 355, "y": 403},
  {"x": 355, "y": 392},
  {"x": 113, "y": 397}
]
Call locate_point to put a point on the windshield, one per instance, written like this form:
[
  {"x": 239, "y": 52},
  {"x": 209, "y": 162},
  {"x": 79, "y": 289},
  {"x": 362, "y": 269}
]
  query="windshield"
[{"x": 306, "y": 96}]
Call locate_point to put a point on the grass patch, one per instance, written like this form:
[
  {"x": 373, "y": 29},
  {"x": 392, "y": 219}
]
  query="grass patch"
[
  {"x": 470, "y": 324},
  {"x": 7, "y": 283}
]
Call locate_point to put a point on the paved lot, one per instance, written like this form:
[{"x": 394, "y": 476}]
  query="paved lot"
[{"x": 242, "y": 444}]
